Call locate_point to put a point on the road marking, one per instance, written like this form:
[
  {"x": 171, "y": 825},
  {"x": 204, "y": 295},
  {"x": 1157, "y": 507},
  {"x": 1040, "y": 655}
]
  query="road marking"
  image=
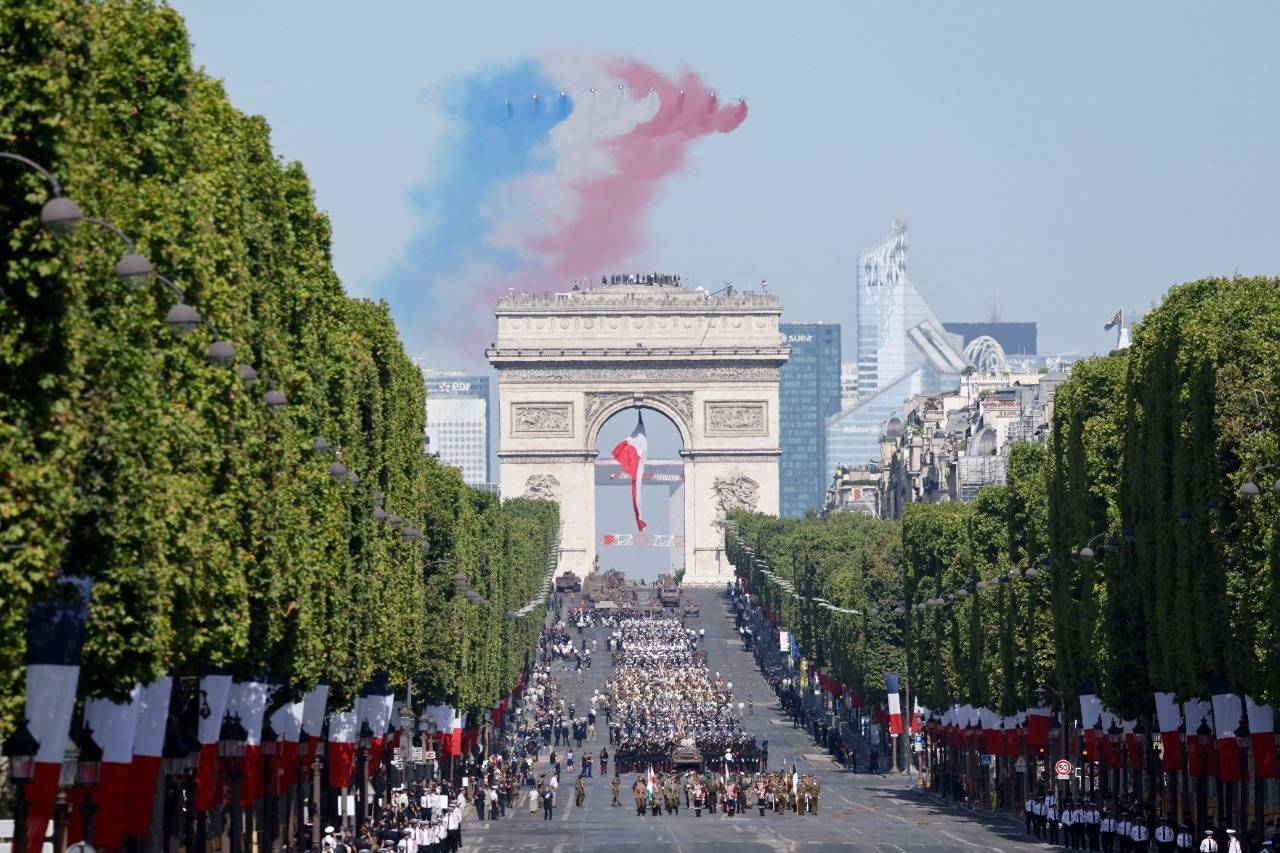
[{"x": 955, "y": 837}]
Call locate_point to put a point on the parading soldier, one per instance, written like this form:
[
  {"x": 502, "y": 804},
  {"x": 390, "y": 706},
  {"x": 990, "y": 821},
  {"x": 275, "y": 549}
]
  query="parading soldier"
[
  {"x": 1184, "y": 840},
  {"x": 1164, "y": 836},
  {"x": 1107, "y": 833},
  {"x": 1068, "y": 820},
  {"x": 1123, "y": 827},
  {"x": 1139, "y": 837},
  {"x": 1092, "y": 824}
]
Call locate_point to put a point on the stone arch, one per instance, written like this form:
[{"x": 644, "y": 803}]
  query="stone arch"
[{"x": 601, "y": 407}]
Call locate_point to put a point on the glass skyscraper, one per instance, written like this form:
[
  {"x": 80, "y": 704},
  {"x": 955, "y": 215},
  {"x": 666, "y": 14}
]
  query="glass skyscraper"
[
  {"x": 808, "y": 393},
  {"x": 458, "y": 422},
  {"x": 902, "y": 351}
]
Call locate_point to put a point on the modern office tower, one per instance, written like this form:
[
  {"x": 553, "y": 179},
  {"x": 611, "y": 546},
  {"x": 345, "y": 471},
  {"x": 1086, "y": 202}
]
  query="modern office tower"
[
  {"x": 458, "y": 422},
  {"x": 808, "y": 393}
]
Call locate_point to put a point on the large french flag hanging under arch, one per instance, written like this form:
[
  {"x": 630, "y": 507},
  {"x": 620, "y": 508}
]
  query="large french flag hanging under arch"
[{"x": 631, "y": 453}]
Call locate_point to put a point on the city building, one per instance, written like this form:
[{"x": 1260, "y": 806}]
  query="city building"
[
  {"x": 848, "y": 384},
  {"x": 458, "y": 422},
  {"x": 1014, "y": 338},
  {"x": 854, "y": 489},
  {"x": 808, "y": 392},
  {"x": 945, "y": 447},
  {"x": 902, "y": 349}
]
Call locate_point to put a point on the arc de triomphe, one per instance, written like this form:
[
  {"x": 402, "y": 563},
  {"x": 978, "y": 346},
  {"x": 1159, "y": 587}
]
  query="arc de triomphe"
[{"x": 567, "y": 362}]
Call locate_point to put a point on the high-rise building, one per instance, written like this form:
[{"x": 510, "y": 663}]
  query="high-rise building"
[
  {"x": 902, "y": 348},
  {"x": 458, "y": 422},
  {"x": 808, "y": 392},
  {"x": 848, "y": 383},
  {"x": 1014, "y": 338}
]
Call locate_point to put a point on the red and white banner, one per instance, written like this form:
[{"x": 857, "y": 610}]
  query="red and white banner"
[
  {"x": 248, "y": 699},
  {"x": 287, "y": 722},
  {"x": 1090, "y": 713},
  {"x": 631, "y": 453},
  {"x": 1038, "y": 727},
  {"x": 377, "y": 712},
  {"x": 214, "y": 690},
  {"x": 148, "y": 750},
  {"x": 1199, "y": 759},
  {"x": 1227, "y": 712},
  {"x": 114, "y": 726},
  {"x": 342, "y": 748},
  {"x": 1262, "y": 737},
  {"x": 1169, "y": 718}
]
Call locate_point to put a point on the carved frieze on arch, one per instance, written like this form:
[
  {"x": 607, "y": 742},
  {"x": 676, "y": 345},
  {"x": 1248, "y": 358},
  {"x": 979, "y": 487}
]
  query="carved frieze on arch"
[{"x": 602, "y": 405}]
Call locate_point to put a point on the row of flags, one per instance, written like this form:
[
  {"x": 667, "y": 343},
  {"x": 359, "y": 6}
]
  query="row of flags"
[{"x": 1179, "y": 723}]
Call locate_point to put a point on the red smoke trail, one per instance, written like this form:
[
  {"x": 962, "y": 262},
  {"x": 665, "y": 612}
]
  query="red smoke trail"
[{"x": 612, "y": 209}]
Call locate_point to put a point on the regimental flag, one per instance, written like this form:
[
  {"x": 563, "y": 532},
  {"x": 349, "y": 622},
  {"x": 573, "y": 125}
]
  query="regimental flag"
[
  {"x": 55, "y": 634},
  {"x": 1115, "y": 321},
  {"x": 1262, "y": 736},
  {"x": 631, "y": 453},
  {"x": 215, "y": 686},
  {"x": 894, "y": 690},
  {"x": 148, "y": 750},
  {"x": 114, "y": 726},
  {"x": 1169, "y": 717}
]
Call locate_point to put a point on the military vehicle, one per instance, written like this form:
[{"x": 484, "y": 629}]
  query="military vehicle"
[
  {"x": 686, "y": 758},
  {"x": 691, "y": 607},
  {"x": 668, "y": 591},
  {"x": 568, "y": 582}
]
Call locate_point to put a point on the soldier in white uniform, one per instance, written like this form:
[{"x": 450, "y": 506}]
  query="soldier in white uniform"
[
  {"x": 1139, "y": 837},
  {"x": 1233, "y": 843},
  {"x": 1184, "y": 840},
  {"x": 1209, "y": 845},
  {"x": 1107, "y": 832},
  {"x": 1164, "y": 836},
  {"x": 1123, "y": 827},
  {"x": 1051, "y": 818},
  {"x": 1092, "y": 824},
  {"x": 1029, "y": 812},
  {"x": 1069, "y": 825}
]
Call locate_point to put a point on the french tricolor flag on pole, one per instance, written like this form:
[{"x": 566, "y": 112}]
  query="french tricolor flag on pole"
[
  {"x": 55, "y": 634},
  {"x": 1038, "y": 727},
  {"x": 248, "y": 699},
  {"x": 895, "y": 703},
  {"x": 631, "y": 453}
]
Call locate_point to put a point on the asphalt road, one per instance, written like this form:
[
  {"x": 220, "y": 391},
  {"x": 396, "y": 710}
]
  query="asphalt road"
[{"x": 858, "y": 811}]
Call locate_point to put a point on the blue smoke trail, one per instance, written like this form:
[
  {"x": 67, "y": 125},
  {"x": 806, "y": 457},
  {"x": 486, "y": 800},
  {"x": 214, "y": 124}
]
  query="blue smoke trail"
[{"x": 501, "y": 134}]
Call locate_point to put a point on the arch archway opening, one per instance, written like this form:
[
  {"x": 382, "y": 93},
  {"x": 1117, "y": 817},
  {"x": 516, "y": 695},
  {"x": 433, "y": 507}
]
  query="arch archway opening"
[{"x": 659, "y": 548}]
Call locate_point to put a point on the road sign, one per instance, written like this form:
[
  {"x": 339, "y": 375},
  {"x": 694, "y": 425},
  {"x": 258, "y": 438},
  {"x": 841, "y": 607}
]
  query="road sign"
[
  {"x": 1063, "y": 768},
  {"x": 1020, "y": 766},
  {"x": 985, "y": 759}
]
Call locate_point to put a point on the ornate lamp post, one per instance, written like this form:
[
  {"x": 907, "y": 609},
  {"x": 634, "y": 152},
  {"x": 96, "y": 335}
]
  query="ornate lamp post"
[
  {"x": 231, "y": 743},
  {"x": 1116, "y": 736},
  {"x": 173, "y": 765},
  {"x": 88, "y": 772},
  {"x": 1204, "y": 739},
  {"x": 20, "y": 750},
  {"x": 427, "y": 725},
  {"x": 67, "y": 774},
  {"x": 317, "y": 765},
  {"x": 268, "y": 744},
  {"x": 364, "y": 742}
]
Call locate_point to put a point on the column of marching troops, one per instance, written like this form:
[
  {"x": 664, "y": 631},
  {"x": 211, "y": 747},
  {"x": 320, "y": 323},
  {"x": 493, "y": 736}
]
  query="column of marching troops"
[{"x": 1081, "y": 825}]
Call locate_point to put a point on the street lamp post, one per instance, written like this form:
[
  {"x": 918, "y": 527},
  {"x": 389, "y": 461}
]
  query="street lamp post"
[
  {"x": 268, "y": 744},
  {"x": 20, "y": 750},
  {"x": 427, "y": 725},
  {"x": 67, "y": 773},
  {"x": 317, "y": 808},
  {"x": 1204, "y": 739},
  {"x": 231, "y": 745},
  {"x": 88, "y": 772},
  {"x": 364, "y": 742}
]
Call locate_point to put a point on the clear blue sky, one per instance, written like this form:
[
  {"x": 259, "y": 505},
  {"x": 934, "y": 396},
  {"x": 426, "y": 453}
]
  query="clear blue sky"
[{"x": 1072, "y": 157}]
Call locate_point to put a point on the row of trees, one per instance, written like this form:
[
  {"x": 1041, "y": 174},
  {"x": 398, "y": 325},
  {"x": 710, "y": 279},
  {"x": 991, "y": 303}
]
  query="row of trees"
[
  {"x": 847, "y": 560},
  {"x": 1147, "y": 467},
  {"x": 212, "y": 532}
]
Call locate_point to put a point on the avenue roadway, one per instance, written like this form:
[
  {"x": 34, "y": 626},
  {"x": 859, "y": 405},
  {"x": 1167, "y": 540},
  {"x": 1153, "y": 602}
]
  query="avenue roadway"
[{"x": 858, "y": 811}]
